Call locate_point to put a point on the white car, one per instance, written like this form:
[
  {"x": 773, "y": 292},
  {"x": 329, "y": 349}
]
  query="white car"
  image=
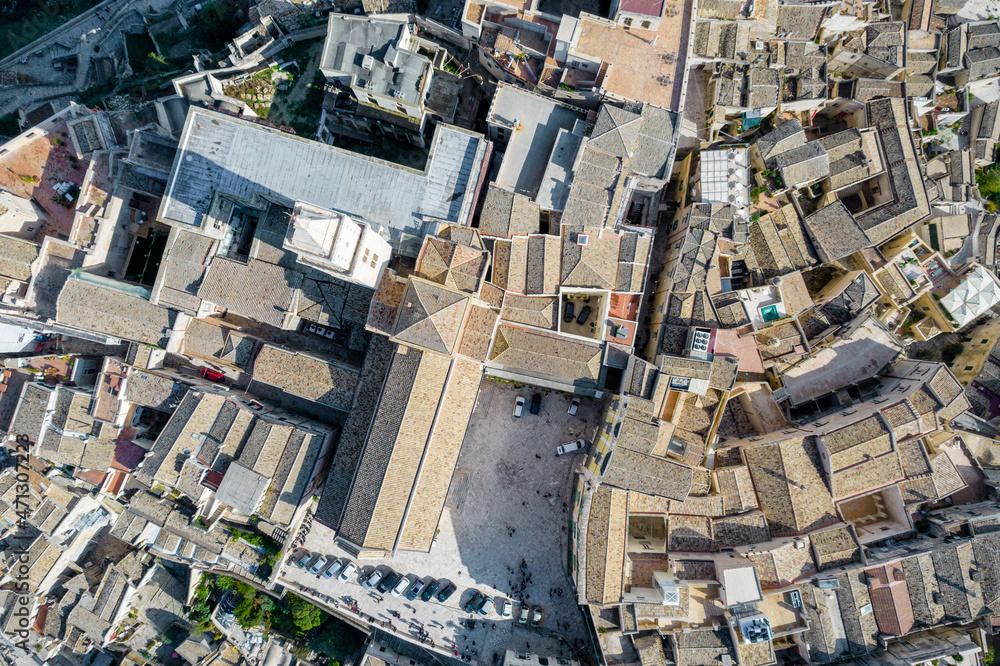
[
  {"x": 348, "y": 571},
  {"x": 573, "y": 406},
  {"x": 333, "y": 570},
  {"x": 374, "y": 579},
  {"x": 301, "y": 562},
  {"x": 401, "y": 586},
  {"x": 508, "y": 608},
  {"x": 487, "y": 608},
  {"x": 570, "y": 447},
  {"x": 318, "y": 565},
  {"x": 518, "y": 406}
]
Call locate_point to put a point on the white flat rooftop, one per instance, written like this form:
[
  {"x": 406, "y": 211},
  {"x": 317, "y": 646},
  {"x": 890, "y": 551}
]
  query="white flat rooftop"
[{"x": 226, "y": 154}]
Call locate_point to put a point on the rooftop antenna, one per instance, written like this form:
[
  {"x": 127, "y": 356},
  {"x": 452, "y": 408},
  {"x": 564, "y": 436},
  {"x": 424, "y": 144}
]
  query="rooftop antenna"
[{"x": 653, "y": 43}]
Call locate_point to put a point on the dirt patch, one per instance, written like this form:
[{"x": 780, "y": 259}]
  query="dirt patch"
[{"x": 259, "y": 90}]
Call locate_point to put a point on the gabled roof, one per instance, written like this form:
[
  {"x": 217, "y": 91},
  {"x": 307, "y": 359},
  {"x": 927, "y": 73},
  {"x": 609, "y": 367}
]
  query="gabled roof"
[
  {"x": 782, "y": 562},
  {"x": 835, "y": 547},
  {"x": 507, "y": 214},
  {"x": 258, "y": 290},
  {"x": 616, "y": 130},
  {"x": 589, "y": 259},
  {"x": 325, "y": 382},
  {"x": 835, "y": 231},
  {"x": 890, "y": 599},
  {"x": 95, "y": 303},
  {"x": 430, "y": 316},
  {"x": 451, "y": 264},
  {"x": 784, "y": 137},
  {"x": 547, "y": 354},
  {"x": 606, "y": 527},
  {"x": 16, "y": 257},
  {"x": 790, "y": 485}
]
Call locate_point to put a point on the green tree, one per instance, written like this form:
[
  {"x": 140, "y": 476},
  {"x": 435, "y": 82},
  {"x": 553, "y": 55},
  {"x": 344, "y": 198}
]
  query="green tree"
[
  {"x": 219, "y": 23},
  {"x": 337, "y": 640},
  {"x": 225, "y": 583},
  {"x": 248, "y": 613},
  {"x": 304, "y": 614}
]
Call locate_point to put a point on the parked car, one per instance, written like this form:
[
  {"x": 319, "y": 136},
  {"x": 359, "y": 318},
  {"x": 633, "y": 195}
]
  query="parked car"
[
  {"x": 518, "y": 406},
  {"x": 506, "y": 610},
  {"x": 401, "y": 586},
  {"x": 389, "y": 582},
  {"x": 522, "y": 617},
  {"x": 486, "y": 608},
  {"x": 570, "y": 447},
  {"x": 372, "y": 580},
  {"x": 446, "y": 591},
  {"x": 568, "y": 312},
  {"x": 213, "y": 375},
  {"x": 430, "y": 591},
  {"x": 318, "y": 565},
  {"x": 333, "y": 570},
  {"x": 301, "y": 562},
  {"x": 584, "y": 315},
  {"x": 418, "y": 587},
  {"x": 536, "y": 403},
  {"x": 573, "y": 406},
  {"x": 536, "y": 616},
  {"x": 348, "y": 571},
  {"x": 474, "y": 603}
]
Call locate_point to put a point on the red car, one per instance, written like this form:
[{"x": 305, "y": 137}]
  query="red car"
[{"x": 213, "y": 375}]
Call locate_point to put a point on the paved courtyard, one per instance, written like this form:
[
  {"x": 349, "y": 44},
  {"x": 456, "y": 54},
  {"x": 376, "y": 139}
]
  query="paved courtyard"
[{"x": 497, "y": 515}]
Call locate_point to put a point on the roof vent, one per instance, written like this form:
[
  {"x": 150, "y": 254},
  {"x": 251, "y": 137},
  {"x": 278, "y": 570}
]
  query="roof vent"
[
  {"x": 759, "y": 46},
  {"x": 938, "y": 598},
  {"x": 582, "y": 239},
  {"x": 367, "y": 62}
]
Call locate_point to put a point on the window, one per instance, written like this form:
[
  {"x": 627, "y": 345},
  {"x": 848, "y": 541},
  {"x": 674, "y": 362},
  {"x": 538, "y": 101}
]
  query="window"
[
  {"x": 627, "y": 23},
  {"x": 645, "y": 25},
  {"x": 374, "y": 257},
  {"x": 604, "y": 467},
  {"x": 401, "y": 108}
]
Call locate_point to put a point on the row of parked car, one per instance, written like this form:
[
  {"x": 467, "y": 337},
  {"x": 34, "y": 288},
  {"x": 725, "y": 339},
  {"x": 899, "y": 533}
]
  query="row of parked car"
[
  {"x": 397, "y": 585},
  {"x": 342, "y": 568},
  {"x": 484, "y": 605},
  {"x": 536, "y": 405},
  {"x": 384, "y": 580}
]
